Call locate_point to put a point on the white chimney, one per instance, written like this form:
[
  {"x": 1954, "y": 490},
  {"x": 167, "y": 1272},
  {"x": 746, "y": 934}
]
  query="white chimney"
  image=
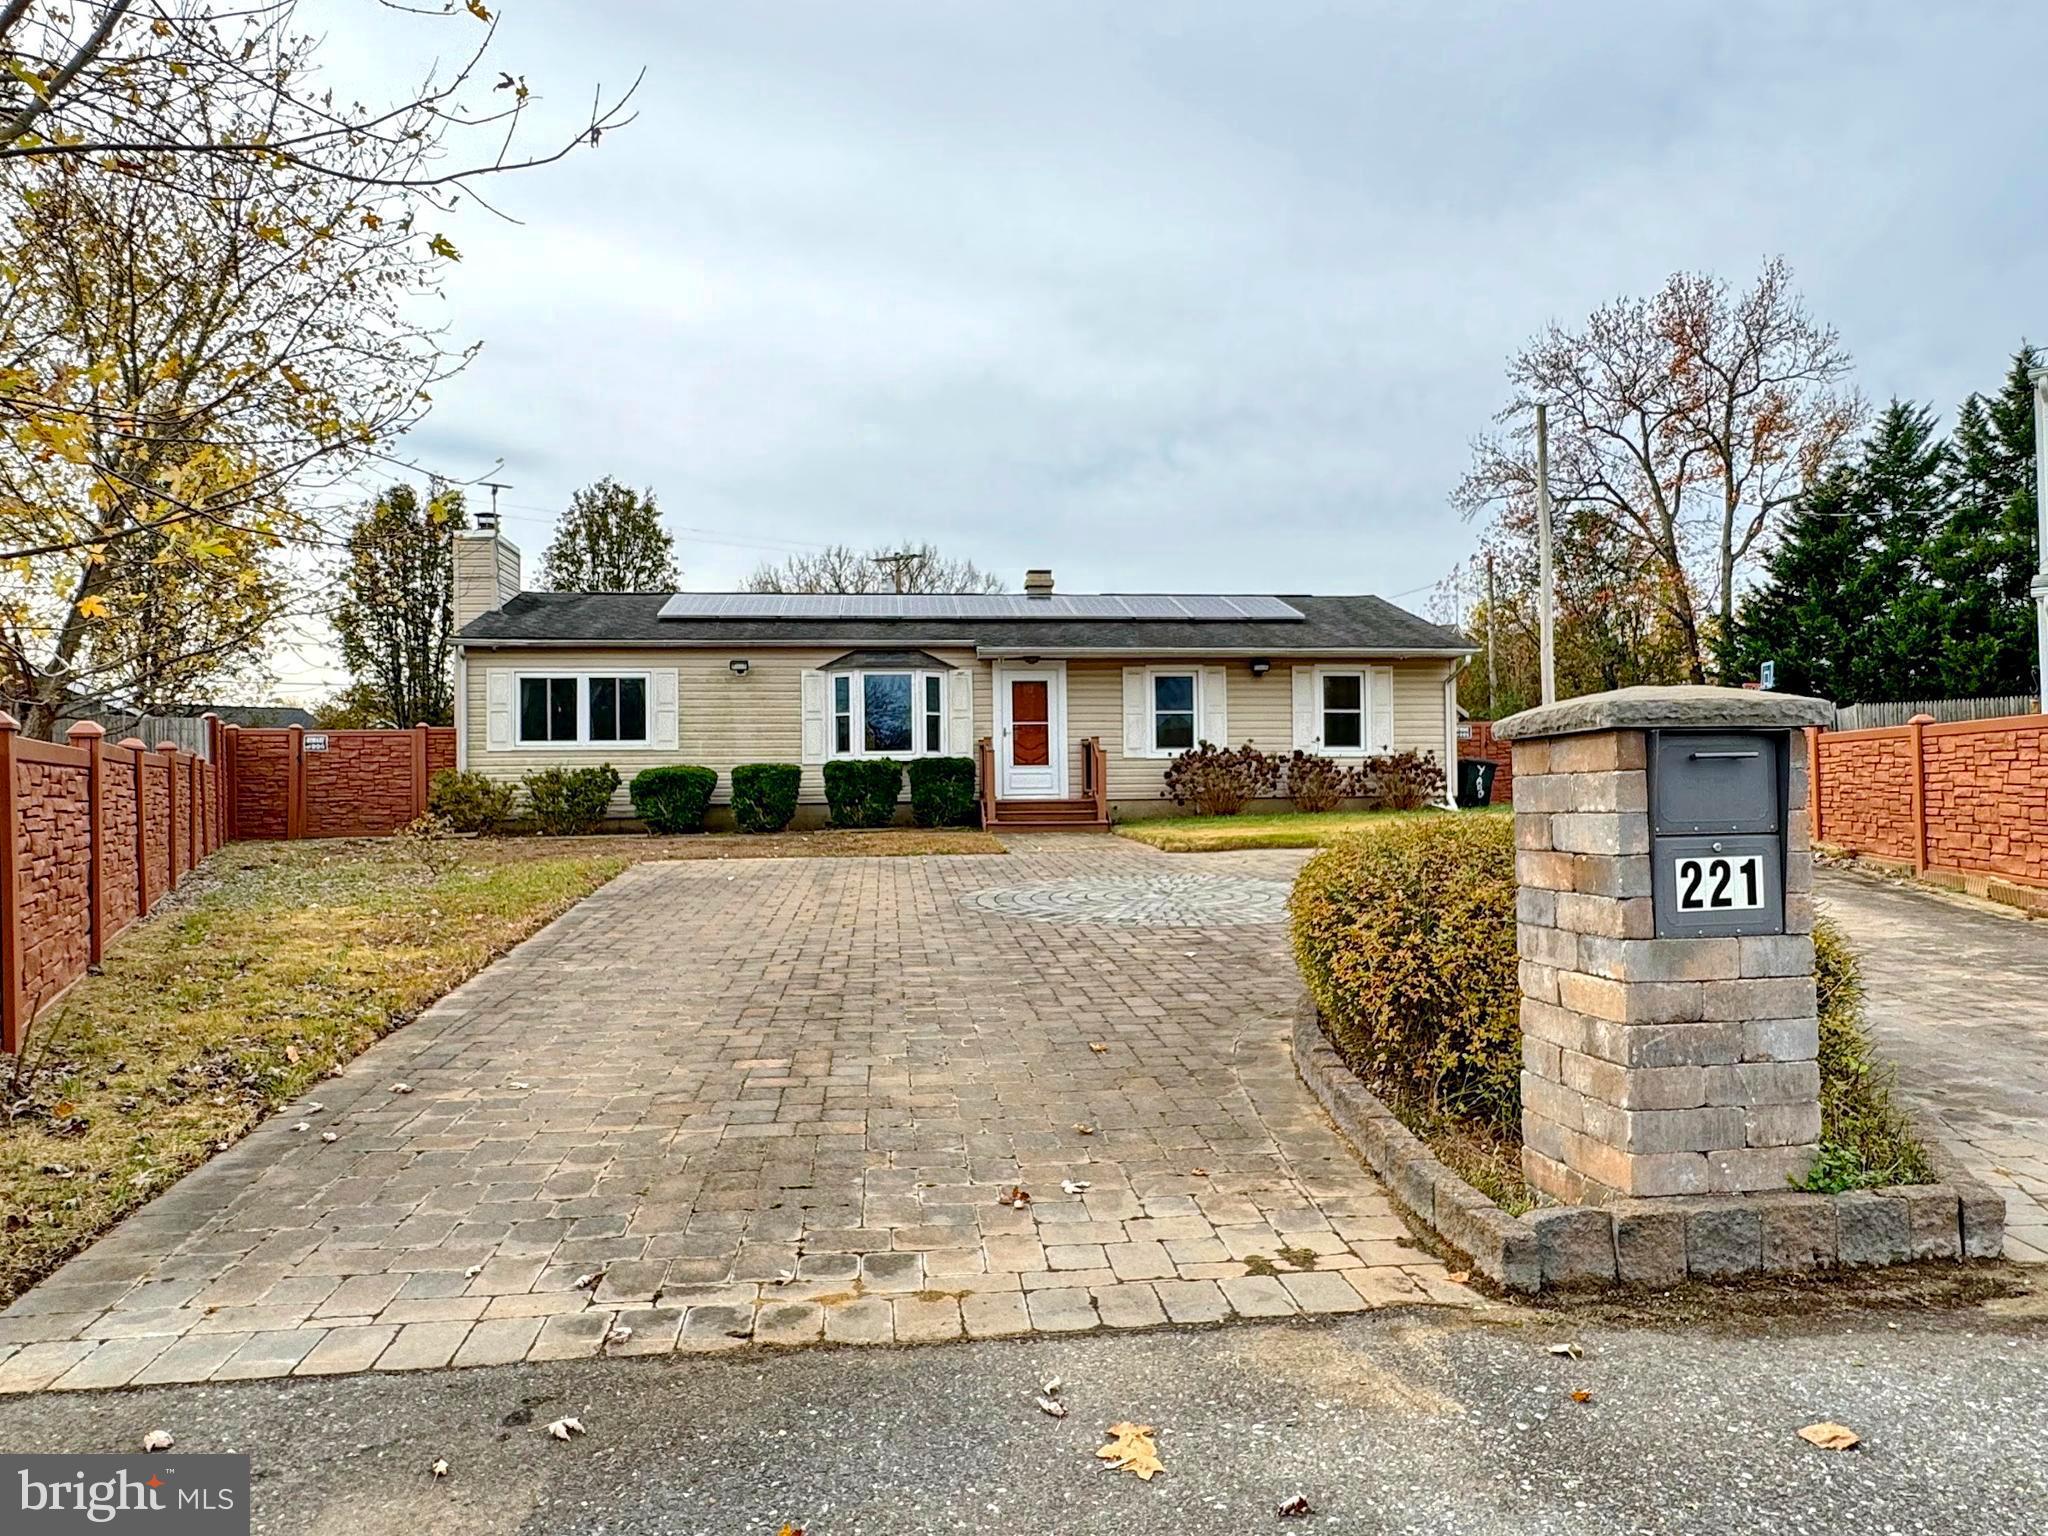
[
  {"x": 486, "y": 569},
  {"x": 1038, "y": 583}
]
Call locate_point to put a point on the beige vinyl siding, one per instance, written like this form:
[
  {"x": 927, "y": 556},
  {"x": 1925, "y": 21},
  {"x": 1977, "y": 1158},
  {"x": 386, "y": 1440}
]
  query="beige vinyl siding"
[
  {"x": 722, "y": 720},
  {"x": 725, "y": 720}
]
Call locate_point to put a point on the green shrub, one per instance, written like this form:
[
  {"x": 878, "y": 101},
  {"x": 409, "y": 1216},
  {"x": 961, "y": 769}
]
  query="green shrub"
[
  {"x": 764, "y": 795},
  {"x": 1316, "y": 783},
  {"x": 863, "y": 791},
  {"x": 469, "y": 802},
  {"x": 672, "y": 798},
  {"x": 942, "y": 791},
  {"x": 1866, "y": 1140},
  {"x": 568, "y": 801},
  {"x": 1405, "y": 935},
  {"x": 1217, "y": 781}
]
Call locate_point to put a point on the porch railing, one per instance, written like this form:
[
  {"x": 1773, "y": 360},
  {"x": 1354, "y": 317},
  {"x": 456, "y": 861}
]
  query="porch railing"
[
  {"x": 1095, "y": 775},
  {"x": 985, "y": 778}
]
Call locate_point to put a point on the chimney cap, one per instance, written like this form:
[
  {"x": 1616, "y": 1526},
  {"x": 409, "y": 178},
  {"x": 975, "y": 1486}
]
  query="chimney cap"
[
  {"x": 486, "y": 522},
  {"x": 1038, "y": 582}
]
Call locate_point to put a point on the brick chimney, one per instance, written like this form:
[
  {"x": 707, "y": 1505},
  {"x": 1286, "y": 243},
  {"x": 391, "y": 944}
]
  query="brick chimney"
[
  {"x": 1038, "y": 583},
  {"x": 486, "y": 569}
]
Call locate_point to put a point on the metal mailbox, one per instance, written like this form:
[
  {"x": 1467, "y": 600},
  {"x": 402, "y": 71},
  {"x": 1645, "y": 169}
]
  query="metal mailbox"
[{"x": 1717, "y": 832}]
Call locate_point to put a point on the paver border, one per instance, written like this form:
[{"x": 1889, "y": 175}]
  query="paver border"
[{"x": 1651, "y": 1242}]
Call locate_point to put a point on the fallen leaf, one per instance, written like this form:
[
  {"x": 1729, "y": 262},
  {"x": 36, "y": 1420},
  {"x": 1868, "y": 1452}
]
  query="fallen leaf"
[
  {"x": 1075, "y": 1186},
  {"x": 1294, "y": 1508},
  {"x": 1581, "y": 1395},
  {"x": 1083, "y": 1130},
  {"x": 1568, "y": 1351},
  {"x": 158, "y": 1440},
  {"x": 1198, "y": 1173},
  {"x": 330, "y": 1136},
  {"x": 401, "y": 1087},
  {"x": 1097, "y": 1047},
  {"x": 291, "y": 1054},
  {"x": 522, "y": 1085},
  {"x": 585, "y": 1282},
  {"x": 313, "y": 1107},
  {"x": 791, "y": 1530},
  {"x": 1131, "y": 1450},
  {"x": 472, "y": 1272},
  {"x": 1830, "y": 1436},
  {"x": 1459, "y": 1276},
  {"x": 562, "y": 1429},
  {"x": 1051, "y": 1387},
  {"x": 302, "y": 1126},
  {"x": 1015, "y": 1195},
  {"x": 619, "y": 1334},
  {"x": 440, "y": 1468},
  {"x": 1052, "y": 1406}
]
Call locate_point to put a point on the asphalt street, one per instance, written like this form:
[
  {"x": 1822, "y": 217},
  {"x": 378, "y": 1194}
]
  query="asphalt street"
[{"x": 1393, "y": 1422}]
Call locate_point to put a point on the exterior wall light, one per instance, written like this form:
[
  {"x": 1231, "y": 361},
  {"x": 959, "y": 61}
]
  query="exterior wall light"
[
  {"x": 1261, "y": 666},
  {"x": 738, "y": 665}
]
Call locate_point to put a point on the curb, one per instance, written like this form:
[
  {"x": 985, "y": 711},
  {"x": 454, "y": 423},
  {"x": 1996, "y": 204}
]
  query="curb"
[{"x": 1651, "y": 1242}]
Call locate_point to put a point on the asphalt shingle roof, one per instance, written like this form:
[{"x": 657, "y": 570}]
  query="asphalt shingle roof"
[{"x": 1360, "y": 623}]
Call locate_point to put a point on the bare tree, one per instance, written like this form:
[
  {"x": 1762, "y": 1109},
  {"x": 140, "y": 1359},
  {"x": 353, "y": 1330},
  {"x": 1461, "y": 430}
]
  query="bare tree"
[
  {"x": 122, "y": 85},
  {"x": 841, "y": 568},
  {"x": 1686, "y": 423}
]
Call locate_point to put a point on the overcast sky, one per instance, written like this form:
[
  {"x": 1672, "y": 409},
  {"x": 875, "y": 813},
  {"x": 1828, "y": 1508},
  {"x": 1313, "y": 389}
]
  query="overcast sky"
[{"x": 1189, "y": 296}]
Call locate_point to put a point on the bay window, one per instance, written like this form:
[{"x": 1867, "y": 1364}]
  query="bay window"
[{"x": 886, "y": 713}]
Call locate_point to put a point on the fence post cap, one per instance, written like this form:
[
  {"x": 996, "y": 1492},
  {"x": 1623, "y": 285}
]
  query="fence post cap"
[
  {"x": 85, "y": 730},
  {"x": 1921, "y": 720},
  {"x": 8, "y": 722},
  {"x": 167, "y": 746},
  {"x": 211, "y": 714},
  {"x": 133, "y": 743}
]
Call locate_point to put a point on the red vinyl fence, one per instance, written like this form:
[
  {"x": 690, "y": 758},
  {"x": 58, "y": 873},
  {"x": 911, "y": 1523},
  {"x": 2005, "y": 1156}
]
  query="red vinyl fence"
[
  {"x": 101, "y": 832},
  {"x": 1971, "y": 796}
]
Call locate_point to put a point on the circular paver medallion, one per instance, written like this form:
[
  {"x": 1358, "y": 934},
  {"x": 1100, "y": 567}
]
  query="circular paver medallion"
[{"x": 1155, "y": 901}]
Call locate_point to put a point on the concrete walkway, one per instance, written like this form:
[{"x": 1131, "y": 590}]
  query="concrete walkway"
[
  {"x": 777, "y": 1102},
  {"x": 1958, "y": 998}
]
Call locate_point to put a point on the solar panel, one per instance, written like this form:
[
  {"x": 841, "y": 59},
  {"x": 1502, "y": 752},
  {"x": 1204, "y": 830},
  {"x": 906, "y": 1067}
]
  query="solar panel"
[{"x": 1087, "y": 607}]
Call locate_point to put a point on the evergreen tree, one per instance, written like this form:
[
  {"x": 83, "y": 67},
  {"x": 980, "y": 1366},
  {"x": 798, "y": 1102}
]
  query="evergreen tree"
[
  {"x": 1984, "y": 560},
  {"x": 611, "y": 540},
  {"x": 396, "y": 612},
  {"x": 1848, "y": 609}
]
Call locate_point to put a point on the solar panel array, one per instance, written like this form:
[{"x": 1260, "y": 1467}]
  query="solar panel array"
[{"x": 1106, "y": 607}]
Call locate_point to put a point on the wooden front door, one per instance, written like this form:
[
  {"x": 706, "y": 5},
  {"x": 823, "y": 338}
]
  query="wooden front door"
[{"x": 1033, "y": 726}]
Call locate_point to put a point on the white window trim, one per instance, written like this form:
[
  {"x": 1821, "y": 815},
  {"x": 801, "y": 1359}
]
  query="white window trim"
[
  {"x": 1364, "y": 747},
  {"x": 856, "y": 700},
  {"x": 582, "y": 743},
  {"x": 1152, "y": 747}
]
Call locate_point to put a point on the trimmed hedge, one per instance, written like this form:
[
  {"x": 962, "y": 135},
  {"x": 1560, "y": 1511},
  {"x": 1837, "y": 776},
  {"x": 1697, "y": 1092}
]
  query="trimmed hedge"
[
  {"x": 863, "y": 791},
  {"x": 1405, "y": 936},
  {"x": 470, "y": 802},
  {"x": 764, "y": 795},
  {"x": 942, "y": 791},
  {"x": 673, "y": 798},
  {"x": 1866, "y": 1140},
  {"x": 568, "y": 801}
]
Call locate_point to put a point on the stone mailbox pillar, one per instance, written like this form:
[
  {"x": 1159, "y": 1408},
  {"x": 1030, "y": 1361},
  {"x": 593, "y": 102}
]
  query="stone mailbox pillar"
[{"x": 1665, "y": 927}]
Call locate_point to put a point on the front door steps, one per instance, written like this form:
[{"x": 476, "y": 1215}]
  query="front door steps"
[{"x": 1082, "y": 815}]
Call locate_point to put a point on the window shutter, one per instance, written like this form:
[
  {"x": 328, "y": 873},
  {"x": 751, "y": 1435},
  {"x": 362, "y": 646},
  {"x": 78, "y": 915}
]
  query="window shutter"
[
  {"x": 1137, "y": 728},
  {"x": 498, "y": 709},
  {"x": 814, "y": 716},
  {"x": 1381, "y": 681},
  {"x": 1216, "y": 706},
  {"x": 960, "y": 712},
  {"x": 1307, "y": 729},
  {"x": 666, "y": 727}
]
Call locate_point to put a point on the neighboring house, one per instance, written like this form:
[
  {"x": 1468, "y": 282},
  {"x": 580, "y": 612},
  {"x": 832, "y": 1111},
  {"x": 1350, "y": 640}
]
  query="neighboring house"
[{"x": 560, "y": 679}]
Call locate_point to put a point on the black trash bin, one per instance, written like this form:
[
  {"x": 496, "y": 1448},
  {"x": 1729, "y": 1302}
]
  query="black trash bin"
[{"x": 1475, "y": 782}]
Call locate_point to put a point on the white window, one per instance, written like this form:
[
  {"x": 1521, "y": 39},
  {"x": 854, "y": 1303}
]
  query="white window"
[
  {"x": 1343, "y": 706},
  {"x": 1174, "y": 699},
  {"x": 888, "y": 714},
  {"x": 562, "y": 709}
]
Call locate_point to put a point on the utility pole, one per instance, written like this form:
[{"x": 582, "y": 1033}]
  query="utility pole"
[
  {"x": 2040, "y": 585},
  {"x": 1492, "y": 676},
  {"x": 898, "y": 563},
  {"x": 1547, "y": 648}
]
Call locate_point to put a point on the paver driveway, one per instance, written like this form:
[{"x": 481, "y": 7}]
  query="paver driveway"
[
  {"x": 1958, "y": 998},
  {"x": 777, "y": 1101}
]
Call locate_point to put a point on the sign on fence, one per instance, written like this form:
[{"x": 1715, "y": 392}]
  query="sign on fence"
[{"x": 316, "y": 742}]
